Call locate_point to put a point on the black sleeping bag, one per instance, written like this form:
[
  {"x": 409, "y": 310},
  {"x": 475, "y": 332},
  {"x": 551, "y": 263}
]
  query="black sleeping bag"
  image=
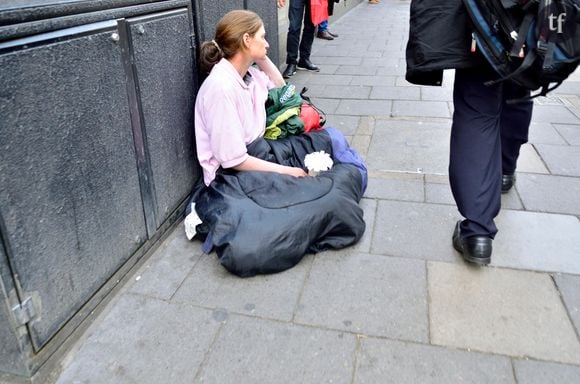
[{"x": 264, "y": 222}]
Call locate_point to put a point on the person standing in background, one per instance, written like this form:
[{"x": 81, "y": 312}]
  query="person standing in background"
[
  {"x": 298, "y": 48},
  {"x": 323, "y": 31}
]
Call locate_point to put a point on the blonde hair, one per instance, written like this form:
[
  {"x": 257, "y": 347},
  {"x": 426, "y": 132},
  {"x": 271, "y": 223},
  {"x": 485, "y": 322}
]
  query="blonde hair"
[{"x": 228, "y": 40}]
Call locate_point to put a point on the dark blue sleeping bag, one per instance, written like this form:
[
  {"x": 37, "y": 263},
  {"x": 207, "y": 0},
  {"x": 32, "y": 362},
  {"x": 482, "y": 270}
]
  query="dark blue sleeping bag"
[{"x": 264, "y": 222}]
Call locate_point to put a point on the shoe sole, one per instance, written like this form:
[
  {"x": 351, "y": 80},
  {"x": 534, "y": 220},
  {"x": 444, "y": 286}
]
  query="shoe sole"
[
  {"x": 310, "y": 70},
  {"x": 477, "y": 260},
  {"x": 289, "y": 76}
]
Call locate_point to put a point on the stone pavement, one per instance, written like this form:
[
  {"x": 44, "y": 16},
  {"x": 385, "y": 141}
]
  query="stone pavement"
[{"x": 399, "y": 307}]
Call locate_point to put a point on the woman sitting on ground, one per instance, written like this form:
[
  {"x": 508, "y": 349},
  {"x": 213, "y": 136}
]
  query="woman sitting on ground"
[
  {"x": 229, "y": 109},
  {"x": 266, "y": 221}
]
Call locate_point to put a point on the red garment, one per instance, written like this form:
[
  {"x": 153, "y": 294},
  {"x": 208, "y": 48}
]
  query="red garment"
[
  {"x": 311, "y": 118},
  {"x": 319, "y": 11}
]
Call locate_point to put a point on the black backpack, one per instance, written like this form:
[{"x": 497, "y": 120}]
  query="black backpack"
[{"x": 534, "y": 43}]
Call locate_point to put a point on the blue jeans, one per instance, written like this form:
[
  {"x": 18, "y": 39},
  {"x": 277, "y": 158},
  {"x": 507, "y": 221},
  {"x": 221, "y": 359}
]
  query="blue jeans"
[
  {"x": 299, "y": 10},
  {"x": 323, "y": 26}
]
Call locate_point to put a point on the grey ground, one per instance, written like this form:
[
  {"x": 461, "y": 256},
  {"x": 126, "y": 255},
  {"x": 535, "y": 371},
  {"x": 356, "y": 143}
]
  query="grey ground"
[{"x": 399, "y": 307}]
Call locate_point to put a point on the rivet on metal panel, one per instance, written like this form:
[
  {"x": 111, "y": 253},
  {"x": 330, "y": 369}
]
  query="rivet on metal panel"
[
  {"x": 140, "y": 29},
  {"x": 115, "y": 36}
]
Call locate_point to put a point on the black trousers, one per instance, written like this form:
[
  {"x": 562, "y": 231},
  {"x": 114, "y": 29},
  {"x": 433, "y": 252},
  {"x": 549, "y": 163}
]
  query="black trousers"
[
  {"x": 486, "y": 136},
  {"x": 299, "y": 11}
]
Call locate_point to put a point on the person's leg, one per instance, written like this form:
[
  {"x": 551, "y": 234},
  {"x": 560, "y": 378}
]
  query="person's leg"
[
  {"x": 515, "y": 123},
  {"x": 295, "y": 15},
  {"x": 475, "y": 152},
  {"x": 322, "y": 27},
  {"x": 307, "y": 33}
]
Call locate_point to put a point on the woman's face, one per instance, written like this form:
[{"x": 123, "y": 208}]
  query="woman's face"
[{"x": 258, "y": 46}]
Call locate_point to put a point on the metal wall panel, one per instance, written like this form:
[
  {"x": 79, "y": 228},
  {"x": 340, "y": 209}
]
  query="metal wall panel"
[
  {"x": 164, "y": 68},
  {"x": 69, "y": 191},
  {"x": 210, "y": 12},
  {"x": 269, "y": 14}
]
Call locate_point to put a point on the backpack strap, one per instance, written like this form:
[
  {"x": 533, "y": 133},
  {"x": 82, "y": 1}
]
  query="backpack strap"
[
  {"x": 522, "y": 34},
  {"x": 527, "y": 63}
]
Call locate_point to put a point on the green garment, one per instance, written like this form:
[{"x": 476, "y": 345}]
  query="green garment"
[{"x": 283, "y": 113}]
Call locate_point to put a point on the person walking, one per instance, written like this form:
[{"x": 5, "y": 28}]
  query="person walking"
[
  {"x": 486, "y": 133},
  {"x": 298, "y": 46}
]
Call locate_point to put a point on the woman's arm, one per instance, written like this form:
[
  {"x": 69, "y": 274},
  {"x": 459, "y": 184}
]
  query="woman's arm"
[
  {"x": 255, "y": 164},
  {"x": 272, "y": 71}
]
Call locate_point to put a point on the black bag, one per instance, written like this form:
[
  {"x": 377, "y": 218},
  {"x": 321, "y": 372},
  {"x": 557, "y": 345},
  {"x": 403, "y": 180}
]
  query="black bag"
[{"x": 534, "y": 43}]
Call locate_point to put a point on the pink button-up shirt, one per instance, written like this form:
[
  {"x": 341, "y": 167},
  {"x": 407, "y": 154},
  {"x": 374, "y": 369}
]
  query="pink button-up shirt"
[{"x": 229, "y": 114}]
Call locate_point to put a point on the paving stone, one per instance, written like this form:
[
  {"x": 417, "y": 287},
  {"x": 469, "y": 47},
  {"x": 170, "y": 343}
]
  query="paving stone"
[
  {"x": 356, "y": 70},
  {"x": 314, "y": 90},
  {"x": 395, "y": 93},
  {"x": 553, "y": 114},
  {"x": 562, "y": 160},
  {"x": 143, "y": 340},
  {"x": 346, "y": 124},
  {"x": 391, "y": 71},
  {"x": 436, "y": 93},
  {"x": 373, "y": 80},
  {"x": 360, "y": 143},
  {"x": 369, "y": 207},
  {"x": 272, "y": 296},
  {"x": 364, "y": 107},
  {"x": 367, "y": 294},
  {"x": 415, "y": 230},
  {"x": 381, "y": 62},
  {"x": 571, "y": 133},
  {"x": 328, "y": 105},
  {"x": 440, "y": 193},
  {"x": 545, "y": 133},
  {"x": 500, "y": 311},
  {"x": 366, "y": 125},
  {"x": 323, "y": 60},
  {"x": 526, "y": 240},
  {"x": 420, "y": 108},
  {"x": 321, "y": 79},
  {"x": 260, "y": 351},
  {"x": 347, "y": 91},
  {"x": 530, "y": 161},
  {"x": 410, "y": 146},
  {"x": 327, "y": 69},
  {"x": 538, "y": 372},
  {"x": 166, "y": 269},
  {"x": 386, "y": 361},
  {"x": 407, "y": 187},
  {"x": 569, "y": 286},
  {"x": 545, "y": 193}
]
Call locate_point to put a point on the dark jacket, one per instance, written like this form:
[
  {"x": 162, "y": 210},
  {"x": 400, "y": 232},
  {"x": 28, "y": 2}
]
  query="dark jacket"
[{"x": 439, "y": 38}]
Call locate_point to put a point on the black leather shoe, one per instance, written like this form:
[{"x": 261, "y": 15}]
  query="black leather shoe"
[
  {"x": 332, "y": 34},
  {"x": 289, "y": 71},
  {"x": 307, "y": 64},
  {"x": 475, "y": 249},
  {"x": 324, "y": 35},
  {"x": 507, "y": 182}
]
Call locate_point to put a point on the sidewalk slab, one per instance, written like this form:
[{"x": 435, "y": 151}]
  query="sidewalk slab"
[
  {"x": 146, "y": 341},
  {"x": 546, "y": 133},
  {"x": 251, "y": 351},
  {"x": 553, "y": 114},
  {"x": 561, "y": 160},
  {"x": 537, "y": 372},
  {"x": 366, "y": 294},
  {"x": 420, "y": 108},
  {"x": 556, "y": 194},
  {"x": 271, "y": 296},
  {"x": 530, "y": 161},
  {"x": 166, "y": 269},
  {"x": 415, "y": 230},
  {"x": 569, "y": 286},
  {"x": 386, "y": 361},
  {"x": 537, "y": 241},
  {"x": 409, "y": 146},
  {"x": 500, "y": 311},
  {"x": 393, "y": 186},
  {"x": 570, "y": 132}
]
